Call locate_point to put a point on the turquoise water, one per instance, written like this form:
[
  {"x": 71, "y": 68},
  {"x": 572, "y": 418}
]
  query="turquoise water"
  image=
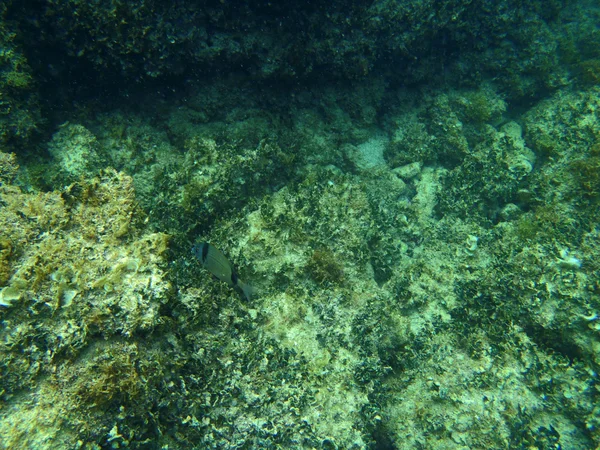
[{"x": 410, "y": 189}]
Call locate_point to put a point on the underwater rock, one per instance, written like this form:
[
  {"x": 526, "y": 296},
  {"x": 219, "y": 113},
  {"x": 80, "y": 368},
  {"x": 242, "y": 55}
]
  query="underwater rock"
[
  {"x": 408, "y": 171},
  {"x": 76, "y": 150},
  {"x": 369, "y": 154},
  {"x": 80, "y": 269}
]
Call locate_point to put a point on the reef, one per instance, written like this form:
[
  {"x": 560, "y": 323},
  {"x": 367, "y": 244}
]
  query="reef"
[{"x": 410, "y": 188}]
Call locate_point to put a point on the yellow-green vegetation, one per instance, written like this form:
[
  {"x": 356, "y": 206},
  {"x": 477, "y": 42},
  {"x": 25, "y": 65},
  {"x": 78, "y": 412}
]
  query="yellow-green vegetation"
[
  {"x": 324, "y": 268},
  {"x": 587, "y": 172},
  {"x": 75, "y": 265}
]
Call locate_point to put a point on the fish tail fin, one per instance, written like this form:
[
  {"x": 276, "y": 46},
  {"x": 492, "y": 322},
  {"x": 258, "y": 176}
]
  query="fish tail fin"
[{"x": 247, "y": 290}]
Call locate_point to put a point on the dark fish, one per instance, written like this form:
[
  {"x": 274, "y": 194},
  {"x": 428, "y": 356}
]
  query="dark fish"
[{"x": 217, "y": 264}]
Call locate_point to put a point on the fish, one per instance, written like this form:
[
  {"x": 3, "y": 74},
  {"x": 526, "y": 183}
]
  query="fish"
[{"x": 217, "y": 263}]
